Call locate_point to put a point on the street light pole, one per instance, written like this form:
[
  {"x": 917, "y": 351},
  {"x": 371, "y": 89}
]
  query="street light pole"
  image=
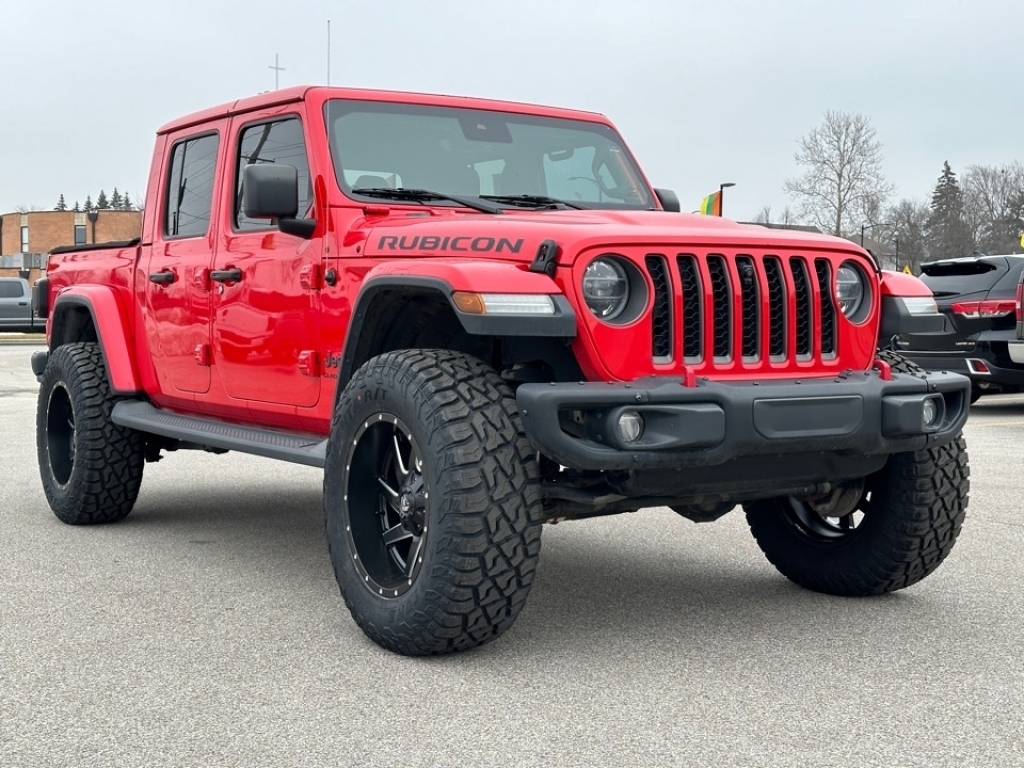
[{"x": 721, "y": 195}]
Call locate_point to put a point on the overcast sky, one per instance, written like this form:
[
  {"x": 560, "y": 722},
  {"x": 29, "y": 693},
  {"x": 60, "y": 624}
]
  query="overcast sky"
[{"x": 704, "y": 92}]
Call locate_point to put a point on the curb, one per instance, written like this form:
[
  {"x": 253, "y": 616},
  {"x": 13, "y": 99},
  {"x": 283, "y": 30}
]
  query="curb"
[{"x": 22, "y": 338}]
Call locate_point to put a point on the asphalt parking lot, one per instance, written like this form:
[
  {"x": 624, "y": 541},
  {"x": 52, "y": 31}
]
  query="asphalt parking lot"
[{"x": 207, "y": 629}]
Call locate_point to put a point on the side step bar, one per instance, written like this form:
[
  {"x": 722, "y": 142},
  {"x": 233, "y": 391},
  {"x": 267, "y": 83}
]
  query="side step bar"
[{"x": 298, "y": 449}]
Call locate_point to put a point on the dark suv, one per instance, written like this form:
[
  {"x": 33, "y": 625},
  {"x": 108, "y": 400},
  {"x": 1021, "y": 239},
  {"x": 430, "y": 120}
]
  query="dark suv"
[{"x": 976, "y": 294}]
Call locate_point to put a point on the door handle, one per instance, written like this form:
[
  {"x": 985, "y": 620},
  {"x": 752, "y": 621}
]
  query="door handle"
[
  {"x": 233, "y": 275},
  {"x": 165, "y": 277},
  {"x": 22, "y": 303}
]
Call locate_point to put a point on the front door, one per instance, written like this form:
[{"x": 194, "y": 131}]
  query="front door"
[{"x": 265, "y": 283}]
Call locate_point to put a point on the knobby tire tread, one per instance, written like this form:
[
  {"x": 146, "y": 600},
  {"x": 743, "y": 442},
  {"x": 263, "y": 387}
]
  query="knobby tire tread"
[
  {"x": 109, "y": 459},
  {"x": 491, "y": 516},
  {"x": 918, "y": 510}
]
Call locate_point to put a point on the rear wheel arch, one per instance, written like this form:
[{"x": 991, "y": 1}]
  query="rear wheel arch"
[{"x": 81, "y": 318}]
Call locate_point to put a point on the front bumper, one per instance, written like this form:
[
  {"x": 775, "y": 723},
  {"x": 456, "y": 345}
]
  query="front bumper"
[{"x": 862, "y": 413}]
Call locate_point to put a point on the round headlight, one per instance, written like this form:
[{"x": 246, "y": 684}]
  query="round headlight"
[
  {"x": 605, "y": 288},
  {"x": 850, "y": 289}
]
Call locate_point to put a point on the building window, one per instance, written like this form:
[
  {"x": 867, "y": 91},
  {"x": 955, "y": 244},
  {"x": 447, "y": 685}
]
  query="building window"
[
  {"x": 24, "y": 239},
  {"x": 79, "y": 234}
]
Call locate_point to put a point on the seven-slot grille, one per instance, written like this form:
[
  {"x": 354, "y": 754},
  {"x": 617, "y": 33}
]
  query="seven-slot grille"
[{"x": 716, "y": 309}]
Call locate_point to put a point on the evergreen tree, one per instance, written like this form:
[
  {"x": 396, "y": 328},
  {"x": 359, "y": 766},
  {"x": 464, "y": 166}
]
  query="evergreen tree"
[
  {"x": 88, "y": 204},
  {"x": 102, "y": 203},
  {"x": 61, "y": 205},
  {"x": 127, "y": 203},
  {"x": 116, "y": 202},
  {"x": 946, "y": 231},
  {"x": 77, "y": 208}
]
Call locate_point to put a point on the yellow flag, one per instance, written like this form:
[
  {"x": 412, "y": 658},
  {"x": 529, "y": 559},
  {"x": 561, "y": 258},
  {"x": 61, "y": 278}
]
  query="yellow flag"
[{"x": 1022, "y": 239}]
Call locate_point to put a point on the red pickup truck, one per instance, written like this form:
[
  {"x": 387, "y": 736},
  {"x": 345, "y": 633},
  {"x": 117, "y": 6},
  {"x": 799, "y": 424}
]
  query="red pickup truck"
[{"x": 477, "y": 317}]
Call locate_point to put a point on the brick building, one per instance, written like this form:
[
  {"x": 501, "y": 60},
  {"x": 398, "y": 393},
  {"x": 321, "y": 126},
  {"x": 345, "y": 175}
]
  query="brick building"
[{"x": 26, "y": 238}]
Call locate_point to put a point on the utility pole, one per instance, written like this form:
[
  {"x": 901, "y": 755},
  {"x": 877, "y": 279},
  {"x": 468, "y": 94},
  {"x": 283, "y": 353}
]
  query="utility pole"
[{"x": 277, "y": 72}]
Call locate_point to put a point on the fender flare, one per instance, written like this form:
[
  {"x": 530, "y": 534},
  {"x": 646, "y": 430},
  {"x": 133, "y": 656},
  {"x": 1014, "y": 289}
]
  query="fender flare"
[
  {"x": 444, "y": 278},
  {"x": 109, "y": 320}
]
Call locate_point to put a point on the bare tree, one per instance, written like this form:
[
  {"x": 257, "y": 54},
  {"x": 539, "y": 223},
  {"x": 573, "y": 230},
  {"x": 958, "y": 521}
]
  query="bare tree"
[
  {"x": 992, "y": 206},
  {"x": 842, "y": 185},
  {"x": 908, "y": 219},
  {"x": 764, "y": 216}
]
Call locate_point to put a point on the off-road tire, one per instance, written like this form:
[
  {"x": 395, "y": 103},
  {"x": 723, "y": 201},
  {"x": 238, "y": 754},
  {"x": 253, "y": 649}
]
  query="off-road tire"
[
  {"x": 911, "y": 521},
  {"x": 90, "y": 467},
  {"x": 482, "y": 521}
]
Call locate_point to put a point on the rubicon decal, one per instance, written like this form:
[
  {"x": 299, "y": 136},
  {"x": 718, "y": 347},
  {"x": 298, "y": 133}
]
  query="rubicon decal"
[{"x": 457, "y": 243}]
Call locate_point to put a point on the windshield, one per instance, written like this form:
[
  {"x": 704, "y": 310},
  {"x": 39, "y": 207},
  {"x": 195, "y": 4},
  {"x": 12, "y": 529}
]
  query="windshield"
[{"x": 472, "y": 152}]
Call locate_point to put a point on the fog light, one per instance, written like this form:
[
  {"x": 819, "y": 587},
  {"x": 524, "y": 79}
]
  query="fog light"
[
  {"x": 929, "y": 413},
  {"x": 631, "y": 426}
]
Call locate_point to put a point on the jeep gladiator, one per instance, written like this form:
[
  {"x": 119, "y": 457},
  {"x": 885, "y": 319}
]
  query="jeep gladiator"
[{"x": 477, "y": 317}]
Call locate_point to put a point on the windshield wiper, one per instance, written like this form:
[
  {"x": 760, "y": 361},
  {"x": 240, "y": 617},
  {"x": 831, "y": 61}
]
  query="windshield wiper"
[
  {"x": 401, "y": 193},
  {"x": 533, "y": 201}
]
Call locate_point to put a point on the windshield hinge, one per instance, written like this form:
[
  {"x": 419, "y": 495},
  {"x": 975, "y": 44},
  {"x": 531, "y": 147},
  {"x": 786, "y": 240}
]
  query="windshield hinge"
[{"x": 546, "y": 259}]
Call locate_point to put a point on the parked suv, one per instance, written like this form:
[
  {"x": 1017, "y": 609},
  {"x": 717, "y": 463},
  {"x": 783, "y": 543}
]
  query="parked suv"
[
  {"x": 16, "y": 310},
  {"x": 976, "y": 294}
]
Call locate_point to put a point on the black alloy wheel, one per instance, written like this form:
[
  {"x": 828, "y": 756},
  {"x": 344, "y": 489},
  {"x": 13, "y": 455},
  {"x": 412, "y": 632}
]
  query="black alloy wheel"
[{"x": 386, "y": 514}]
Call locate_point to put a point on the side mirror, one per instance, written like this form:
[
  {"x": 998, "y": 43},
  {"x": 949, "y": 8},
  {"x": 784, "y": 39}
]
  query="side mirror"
[
  {"x": 668, "y": 199},
  {"x": 271, "y": 191}
]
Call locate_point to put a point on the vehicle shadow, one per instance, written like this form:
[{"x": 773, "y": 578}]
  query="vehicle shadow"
[
  {"x": 993, "y": 405},
  {"x": 592, "y": 589}
]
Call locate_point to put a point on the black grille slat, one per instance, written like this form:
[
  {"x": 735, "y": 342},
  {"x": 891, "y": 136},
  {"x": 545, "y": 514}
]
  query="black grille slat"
[
  {"x": 743, "y": 311},
  {"x": 751, "y": 298},
  {"x": 828, "y": 308},
  {"x": 661, "y": 315},
  {"x": 689, "y": 277},
  {"x": 802, "y": 294},
  {"x": 776, "y": 307},
  {"x": 721, "y": 297}
]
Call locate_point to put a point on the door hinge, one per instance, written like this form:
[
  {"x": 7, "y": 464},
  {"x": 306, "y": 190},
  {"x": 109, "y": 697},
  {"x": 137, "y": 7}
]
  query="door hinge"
[
  {"x": 202, "y": 354},
  {"x": 310, "y": 277},
  {"x": 309, "y": 363}
]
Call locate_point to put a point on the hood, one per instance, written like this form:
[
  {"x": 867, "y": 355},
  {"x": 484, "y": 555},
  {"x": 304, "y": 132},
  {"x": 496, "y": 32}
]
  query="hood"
[{"x": 517, "y": 235}]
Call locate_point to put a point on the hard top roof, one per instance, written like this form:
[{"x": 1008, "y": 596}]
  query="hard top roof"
[{"x": 301, "y": 92}]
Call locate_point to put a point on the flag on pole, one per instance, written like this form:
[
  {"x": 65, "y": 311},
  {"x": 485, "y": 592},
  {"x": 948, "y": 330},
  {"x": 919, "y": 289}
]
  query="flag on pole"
[
  {"x": 712, "y": 204},
  {"x": 1022, "y": 239}
]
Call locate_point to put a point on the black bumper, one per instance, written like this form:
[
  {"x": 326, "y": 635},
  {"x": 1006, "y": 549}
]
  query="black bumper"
[{"x": 714, "y": 422}]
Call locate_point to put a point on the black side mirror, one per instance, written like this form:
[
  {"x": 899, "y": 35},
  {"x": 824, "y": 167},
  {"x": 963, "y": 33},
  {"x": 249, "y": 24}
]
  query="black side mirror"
[
  {"x": 271, "y": 191},
  {"x": 668, "y": 199}
]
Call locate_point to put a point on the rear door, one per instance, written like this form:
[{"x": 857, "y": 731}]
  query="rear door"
[{"x": 177, "y": 316}]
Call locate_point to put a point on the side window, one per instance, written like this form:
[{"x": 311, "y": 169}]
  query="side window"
[
  {"x": 10, "y": 290},
  {"x": 277, "y": 142},
  {"x": 190, "y": 187}
]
